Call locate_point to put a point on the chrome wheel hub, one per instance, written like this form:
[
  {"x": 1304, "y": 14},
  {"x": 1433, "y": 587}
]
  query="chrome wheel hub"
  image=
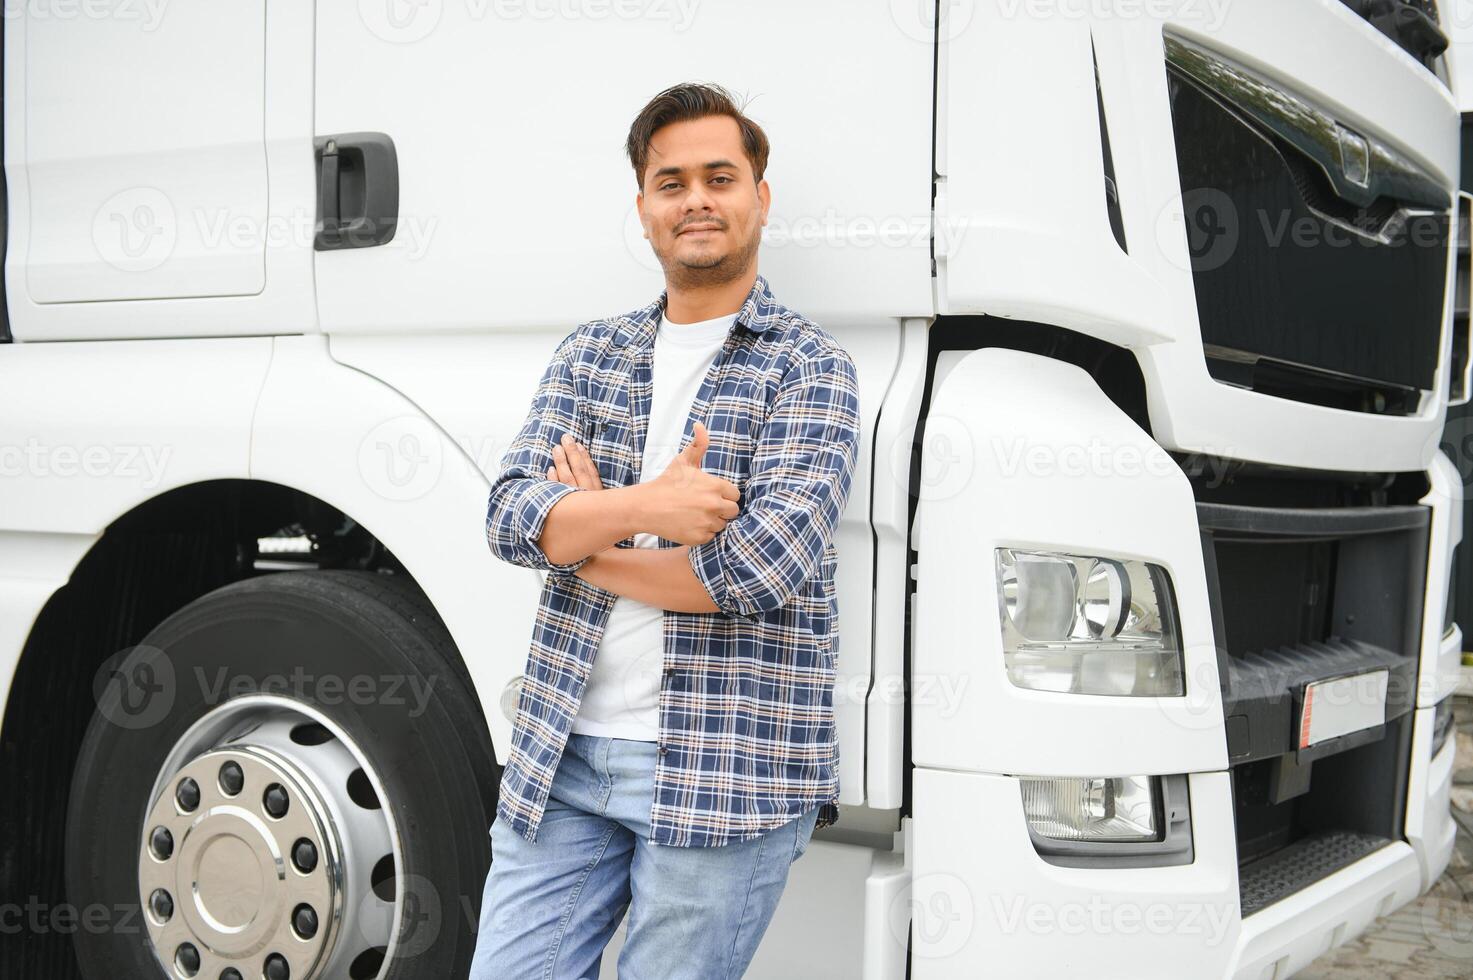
[{"x": 267, "y": 852}]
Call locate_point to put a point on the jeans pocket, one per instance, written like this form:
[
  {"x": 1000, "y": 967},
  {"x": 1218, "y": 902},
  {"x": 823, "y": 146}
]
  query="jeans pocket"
[{"x": 805, "y": 825}]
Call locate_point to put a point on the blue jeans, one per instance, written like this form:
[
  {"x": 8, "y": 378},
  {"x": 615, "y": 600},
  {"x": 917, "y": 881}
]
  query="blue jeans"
[{"x": 551, "y": 907}]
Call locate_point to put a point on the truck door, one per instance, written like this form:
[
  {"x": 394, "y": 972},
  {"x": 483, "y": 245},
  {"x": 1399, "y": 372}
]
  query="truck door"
[{"x": 516, "y": 214}]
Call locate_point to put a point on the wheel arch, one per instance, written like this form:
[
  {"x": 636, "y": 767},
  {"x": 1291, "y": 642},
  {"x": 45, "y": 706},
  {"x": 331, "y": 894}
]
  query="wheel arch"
[{"x": 149, "y": 561}]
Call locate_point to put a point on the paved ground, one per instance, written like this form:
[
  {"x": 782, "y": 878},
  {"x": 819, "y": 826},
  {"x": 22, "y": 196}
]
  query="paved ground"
[{"x": 1433, "y": 936}]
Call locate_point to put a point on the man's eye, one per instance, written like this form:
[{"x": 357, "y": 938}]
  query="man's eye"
[
  {"x": 669, "y": 185},
  {"x": 722, "y": 177}
]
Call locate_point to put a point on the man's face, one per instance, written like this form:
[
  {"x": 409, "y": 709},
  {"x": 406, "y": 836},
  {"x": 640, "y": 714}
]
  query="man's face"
[{"x": 700, "y": 207}]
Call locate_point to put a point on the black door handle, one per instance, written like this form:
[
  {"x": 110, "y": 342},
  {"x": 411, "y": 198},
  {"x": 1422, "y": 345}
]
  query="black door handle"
[{"x": 357, "y": 190}]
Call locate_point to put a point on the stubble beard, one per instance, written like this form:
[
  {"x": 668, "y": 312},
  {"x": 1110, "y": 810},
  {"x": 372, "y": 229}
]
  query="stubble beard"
[{"x": 714, "y": 270}]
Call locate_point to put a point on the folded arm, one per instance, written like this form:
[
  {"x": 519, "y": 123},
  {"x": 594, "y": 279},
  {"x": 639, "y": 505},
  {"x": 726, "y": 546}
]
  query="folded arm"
[
  {"x": 659, "y": 577},
  {"x": 522, "y": 526},
  {"x": 799, "y": 483},
  {"x": 801, "y": 474}
]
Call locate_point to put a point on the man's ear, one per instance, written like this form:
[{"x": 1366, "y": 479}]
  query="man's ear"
[
  {"x": 639, "y": 207},
  {"x": 764, "y": 194}
]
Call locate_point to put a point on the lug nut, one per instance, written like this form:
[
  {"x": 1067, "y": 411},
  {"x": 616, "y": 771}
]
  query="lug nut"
[
  {"x": 161, "y": 904},
  {"x": 161, "y": 843},
  {"x": 232, "y": 779},
  {"x": 275, "y": 800},
  {"x": 304, "y": 921},
  {"x": 304, "y": 856},
  {"x": 230, "y": 973},
  {"x": 276, "y": 968},
  {"x": 186, "y": 958},
  {"x": 187, "y": 795}
]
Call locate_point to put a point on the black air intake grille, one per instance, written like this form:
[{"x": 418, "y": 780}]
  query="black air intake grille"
[{"x": 1309, "y": 285}]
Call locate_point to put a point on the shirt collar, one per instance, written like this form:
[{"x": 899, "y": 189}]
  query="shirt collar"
[{"x": 758, "y": 315}]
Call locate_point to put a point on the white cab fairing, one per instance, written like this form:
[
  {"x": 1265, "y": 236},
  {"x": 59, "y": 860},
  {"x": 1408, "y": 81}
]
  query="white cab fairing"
[{"x": 1038, "y": 458}]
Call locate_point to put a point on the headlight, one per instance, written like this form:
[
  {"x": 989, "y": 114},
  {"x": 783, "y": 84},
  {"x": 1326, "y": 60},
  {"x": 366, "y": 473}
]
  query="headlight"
[
  {"x": 1120, "y": 808},
  {"x": 1079, "y": 624}
]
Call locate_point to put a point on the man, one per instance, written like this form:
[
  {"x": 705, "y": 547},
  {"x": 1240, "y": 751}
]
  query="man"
[{"x": 674, "y": 743}]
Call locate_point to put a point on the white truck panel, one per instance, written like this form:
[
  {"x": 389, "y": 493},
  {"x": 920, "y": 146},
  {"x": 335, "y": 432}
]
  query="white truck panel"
[{"x": 490, "y": 130}]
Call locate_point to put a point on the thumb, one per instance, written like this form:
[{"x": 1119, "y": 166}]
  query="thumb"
[{"x": 699, "y": 440}]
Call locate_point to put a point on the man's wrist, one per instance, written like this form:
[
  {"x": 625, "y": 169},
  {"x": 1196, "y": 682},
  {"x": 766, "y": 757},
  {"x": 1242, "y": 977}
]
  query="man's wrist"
[{"x": 630, "y": 509}]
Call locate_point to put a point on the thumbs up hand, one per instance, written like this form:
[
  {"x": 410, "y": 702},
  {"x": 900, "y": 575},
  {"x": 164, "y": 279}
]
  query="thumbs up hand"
[
  {"x": 695, "y": 450},
  {"x": 685, "y": 504}
]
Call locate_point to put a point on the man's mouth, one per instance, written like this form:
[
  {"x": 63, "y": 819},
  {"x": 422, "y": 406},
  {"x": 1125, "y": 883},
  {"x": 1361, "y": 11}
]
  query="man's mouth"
[{"x": 697, "y": 229}]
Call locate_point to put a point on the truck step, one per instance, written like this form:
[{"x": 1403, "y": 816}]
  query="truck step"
[{"x": 1275, "y": 876}]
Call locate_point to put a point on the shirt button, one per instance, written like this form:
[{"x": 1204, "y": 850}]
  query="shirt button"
[{"x": 664, "y": 749}]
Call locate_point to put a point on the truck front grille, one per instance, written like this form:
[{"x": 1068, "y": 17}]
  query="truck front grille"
[
  {"x": 1305, "y": 594},
  {"x": 1318, "y": 253}
]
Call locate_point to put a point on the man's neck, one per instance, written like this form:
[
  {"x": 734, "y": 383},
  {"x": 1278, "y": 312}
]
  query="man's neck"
[{"x": 693, "y": 305}]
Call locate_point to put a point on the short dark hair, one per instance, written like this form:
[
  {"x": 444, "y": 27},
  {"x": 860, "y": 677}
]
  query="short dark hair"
[{"x": 682, "y": 103}]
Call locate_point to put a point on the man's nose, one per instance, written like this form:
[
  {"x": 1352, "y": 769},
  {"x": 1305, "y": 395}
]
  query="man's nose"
[{"x": 699, "y": 198}]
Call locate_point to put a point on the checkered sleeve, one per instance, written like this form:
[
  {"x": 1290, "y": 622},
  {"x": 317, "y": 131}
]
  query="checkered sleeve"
[
  {"x": 802, "y": 469},
  {"x": 522, "y": 495}
]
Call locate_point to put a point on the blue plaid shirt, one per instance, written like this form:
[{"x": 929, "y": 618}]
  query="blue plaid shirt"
[{"x": 747, "y": 738}]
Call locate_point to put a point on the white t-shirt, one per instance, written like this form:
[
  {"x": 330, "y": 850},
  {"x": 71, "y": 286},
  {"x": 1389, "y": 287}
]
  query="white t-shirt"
[{"x": 622, "y": 698}]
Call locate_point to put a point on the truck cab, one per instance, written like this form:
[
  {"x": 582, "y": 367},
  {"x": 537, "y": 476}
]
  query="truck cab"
[{"x": 1144, "y": 607}]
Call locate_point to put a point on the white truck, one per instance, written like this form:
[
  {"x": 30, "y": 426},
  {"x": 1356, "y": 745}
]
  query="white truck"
[{"x": 1143, "y": 597}]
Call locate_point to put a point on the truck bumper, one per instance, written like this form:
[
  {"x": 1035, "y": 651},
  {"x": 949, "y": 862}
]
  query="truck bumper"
[{"x": 983, "y": 903}]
